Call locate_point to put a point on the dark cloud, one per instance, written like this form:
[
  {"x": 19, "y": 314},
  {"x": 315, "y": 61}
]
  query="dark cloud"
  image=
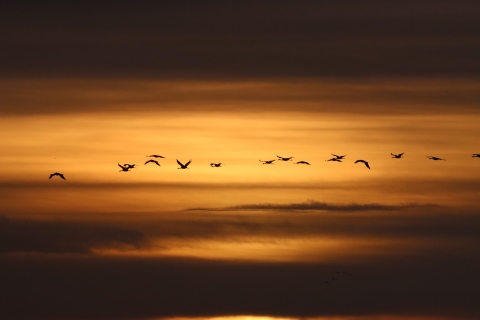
[
  {"x": 312, "y": 205},
  {"x": 190, "y": 39},
  {"x": 56, "y": 236},
  {"x": 430, "y": 283}
]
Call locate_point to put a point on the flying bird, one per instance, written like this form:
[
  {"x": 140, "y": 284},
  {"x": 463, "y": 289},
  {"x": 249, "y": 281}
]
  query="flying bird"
[
  {"x": 302, "y": 162},
  {"x": 153, "y": 161},
  {"x": 155, "y": 156},
  {"x": 57, "y": 174},
  {"x": 364, "y": 162},
  {"x": 397, "y": 156},
  {"x": 267, "y": 161},
  {"x": 216, "y": 165},
  {"x": 283, "y": 158},
  {"x": 339, "y": 157},
  {"x": 130, "y": 166},
  {"x": 476, "y": 155},
  {"x": 435, "y": 158},
  {"x": 124, "y": 168},
  {"x": 183, "y": 166},
  {"x": 335, "y": 159}
]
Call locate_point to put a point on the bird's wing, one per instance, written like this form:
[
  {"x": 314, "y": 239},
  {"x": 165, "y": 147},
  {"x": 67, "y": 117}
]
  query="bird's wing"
[
  {"x": 366, "y": 163},
  {"x": 334, "y": 155},
  {"x": 61, "y": 176},
  {"x": 148, "y": 161},
  {"x": 279, "y": 156},
  {"x": 186, "y": 164},
  {"x": 358, "y": 161},
  {"x": 51, "y": 175},
  {"x": 179, "y": 163},
  {"x": 156, "y": 162},
  {"x": 121, "y": 166},
  {"x": 401, "y": 154}
]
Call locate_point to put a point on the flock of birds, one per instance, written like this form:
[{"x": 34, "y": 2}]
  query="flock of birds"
[{"x": 336, "y": 158}]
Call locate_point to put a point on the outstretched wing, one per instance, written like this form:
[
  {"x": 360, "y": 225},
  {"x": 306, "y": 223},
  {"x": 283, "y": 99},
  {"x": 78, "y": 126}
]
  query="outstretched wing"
[
  {"x": 186, "y": 164},
  {"x": 61, "y": 176},
  {"x": 180, "y": 164},
  {"x": 51, "y": 175},
  {"x": 366, "y": 163}
]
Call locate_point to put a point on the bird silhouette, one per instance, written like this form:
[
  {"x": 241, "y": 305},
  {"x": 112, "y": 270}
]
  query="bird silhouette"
[
  {"x": 216, "y": 165},
  {"x": 130, "y": 166},
  {"x": 57, "y": 174},
  {"x": 364, "y": 162},
  {"x": 283, "y": 158},
  {"x": 335, "y": 159},
  {"x": 302, "y": 162},
  {"x": 397, "y": 156},
  {"x": 153, "y": 161},
  {"x": 267, "y": 161},
  {"x": 155, "y": 156},
  {"x": 339, "y": 157},
  {"x": 476, "y": 155},
  {"x": 183, "y": 166},
  {"x": 435, "y": 158},
  {"x": 124, "y": 168}
]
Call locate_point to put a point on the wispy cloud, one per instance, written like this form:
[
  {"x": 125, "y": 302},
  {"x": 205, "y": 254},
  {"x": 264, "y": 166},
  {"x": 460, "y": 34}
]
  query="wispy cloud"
[{"x": 311, "y": 205}]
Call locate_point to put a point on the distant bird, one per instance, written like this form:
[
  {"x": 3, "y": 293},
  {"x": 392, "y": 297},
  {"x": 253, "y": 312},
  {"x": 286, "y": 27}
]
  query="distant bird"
[
  {"x": 476, "y": 155},
  {"x": 283, "y": 158},
  {"x": 216, "y": 165},
  {"x": 57, "y": 174},
  {"x": 183, "y": 166},
  {"x": 124, "y": 168},
  {"x": 267, "y": 161},
  {"x": 397, "y": 156},
  {"x": 364, "y": 162},
  {"x": 335, "y": 159},
  {"x": 435, "y": 158},
  {"x": 130, "y": 166},
  {"x": 327, "y": 282},
  {"x": 155, "y": 156},
  {"x": 153, "y": 161},
  {"x": 339, "y": 157},
  {"x": 302, "y": 162}
]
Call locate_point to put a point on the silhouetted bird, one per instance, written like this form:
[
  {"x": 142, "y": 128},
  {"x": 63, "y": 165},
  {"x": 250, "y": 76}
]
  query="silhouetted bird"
[
  {"x": 57, "y": 174},
  {"x": 155, "y": 156},
  {"x": 397, "y": 156},
  {"x": 153, "y": 161},
  {"x": 130, "y": 166},
  {"x": 476, "y": 155},
  {"x": 364, "y": 162},
  {"x": 183, "y": 166},
  {"x": 302, "y": 162},
  {"x": 283, "y": 158},
  {"x": 267, "y": 161},
  {"x": 335, "y": 159},
  {"x": 124, "y": 168},
  {"x": 339, "y": 157},
  {"x": 435, "y": 158},
  {"x": 216, "y": 165}
]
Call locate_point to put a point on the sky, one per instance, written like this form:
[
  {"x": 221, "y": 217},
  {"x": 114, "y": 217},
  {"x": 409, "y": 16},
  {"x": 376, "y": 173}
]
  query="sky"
[{"x": 85, "y": 86}]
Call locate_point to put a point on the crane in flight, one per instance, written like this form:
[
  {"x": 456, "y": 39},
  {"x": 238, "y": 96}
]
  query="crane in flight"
[
  {"x": 364, "y": 162},
  {"x": 216, "y": 165},
  {"x": 153, "y": 161},
  {"x": 183, "y": 166},
  {"x": 435, "y": 158},
  {"x": 397, "y": 156},
  {"x": 302, "y": 162},
  {"x": 335, "y": 159},
  {"x": 57, "y": 174},
  {"x": 339, "y": 157},
  {"x": 267, "y": 161},
  {"x": 284, "y": 158},
  {"x": 124, "y": 168}
]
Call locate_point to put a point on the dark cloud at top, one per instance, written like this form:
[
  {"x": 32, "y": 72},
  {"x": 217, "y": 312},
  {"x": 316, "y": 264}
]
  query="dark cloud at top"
[{"x": 192, "y": 39}]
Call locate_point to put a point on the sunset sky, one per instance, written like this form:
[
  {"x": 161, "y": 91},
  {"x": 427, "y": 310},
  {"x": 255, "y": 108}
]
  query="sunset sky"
[{"x": 85, "y": 86}]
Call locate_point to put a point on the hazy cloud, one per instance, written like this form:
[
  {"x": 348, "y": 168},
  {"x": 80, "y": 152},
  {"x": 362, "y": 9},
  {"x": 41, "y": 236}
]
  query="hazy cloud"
[{"x": 315, "y": 206}]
